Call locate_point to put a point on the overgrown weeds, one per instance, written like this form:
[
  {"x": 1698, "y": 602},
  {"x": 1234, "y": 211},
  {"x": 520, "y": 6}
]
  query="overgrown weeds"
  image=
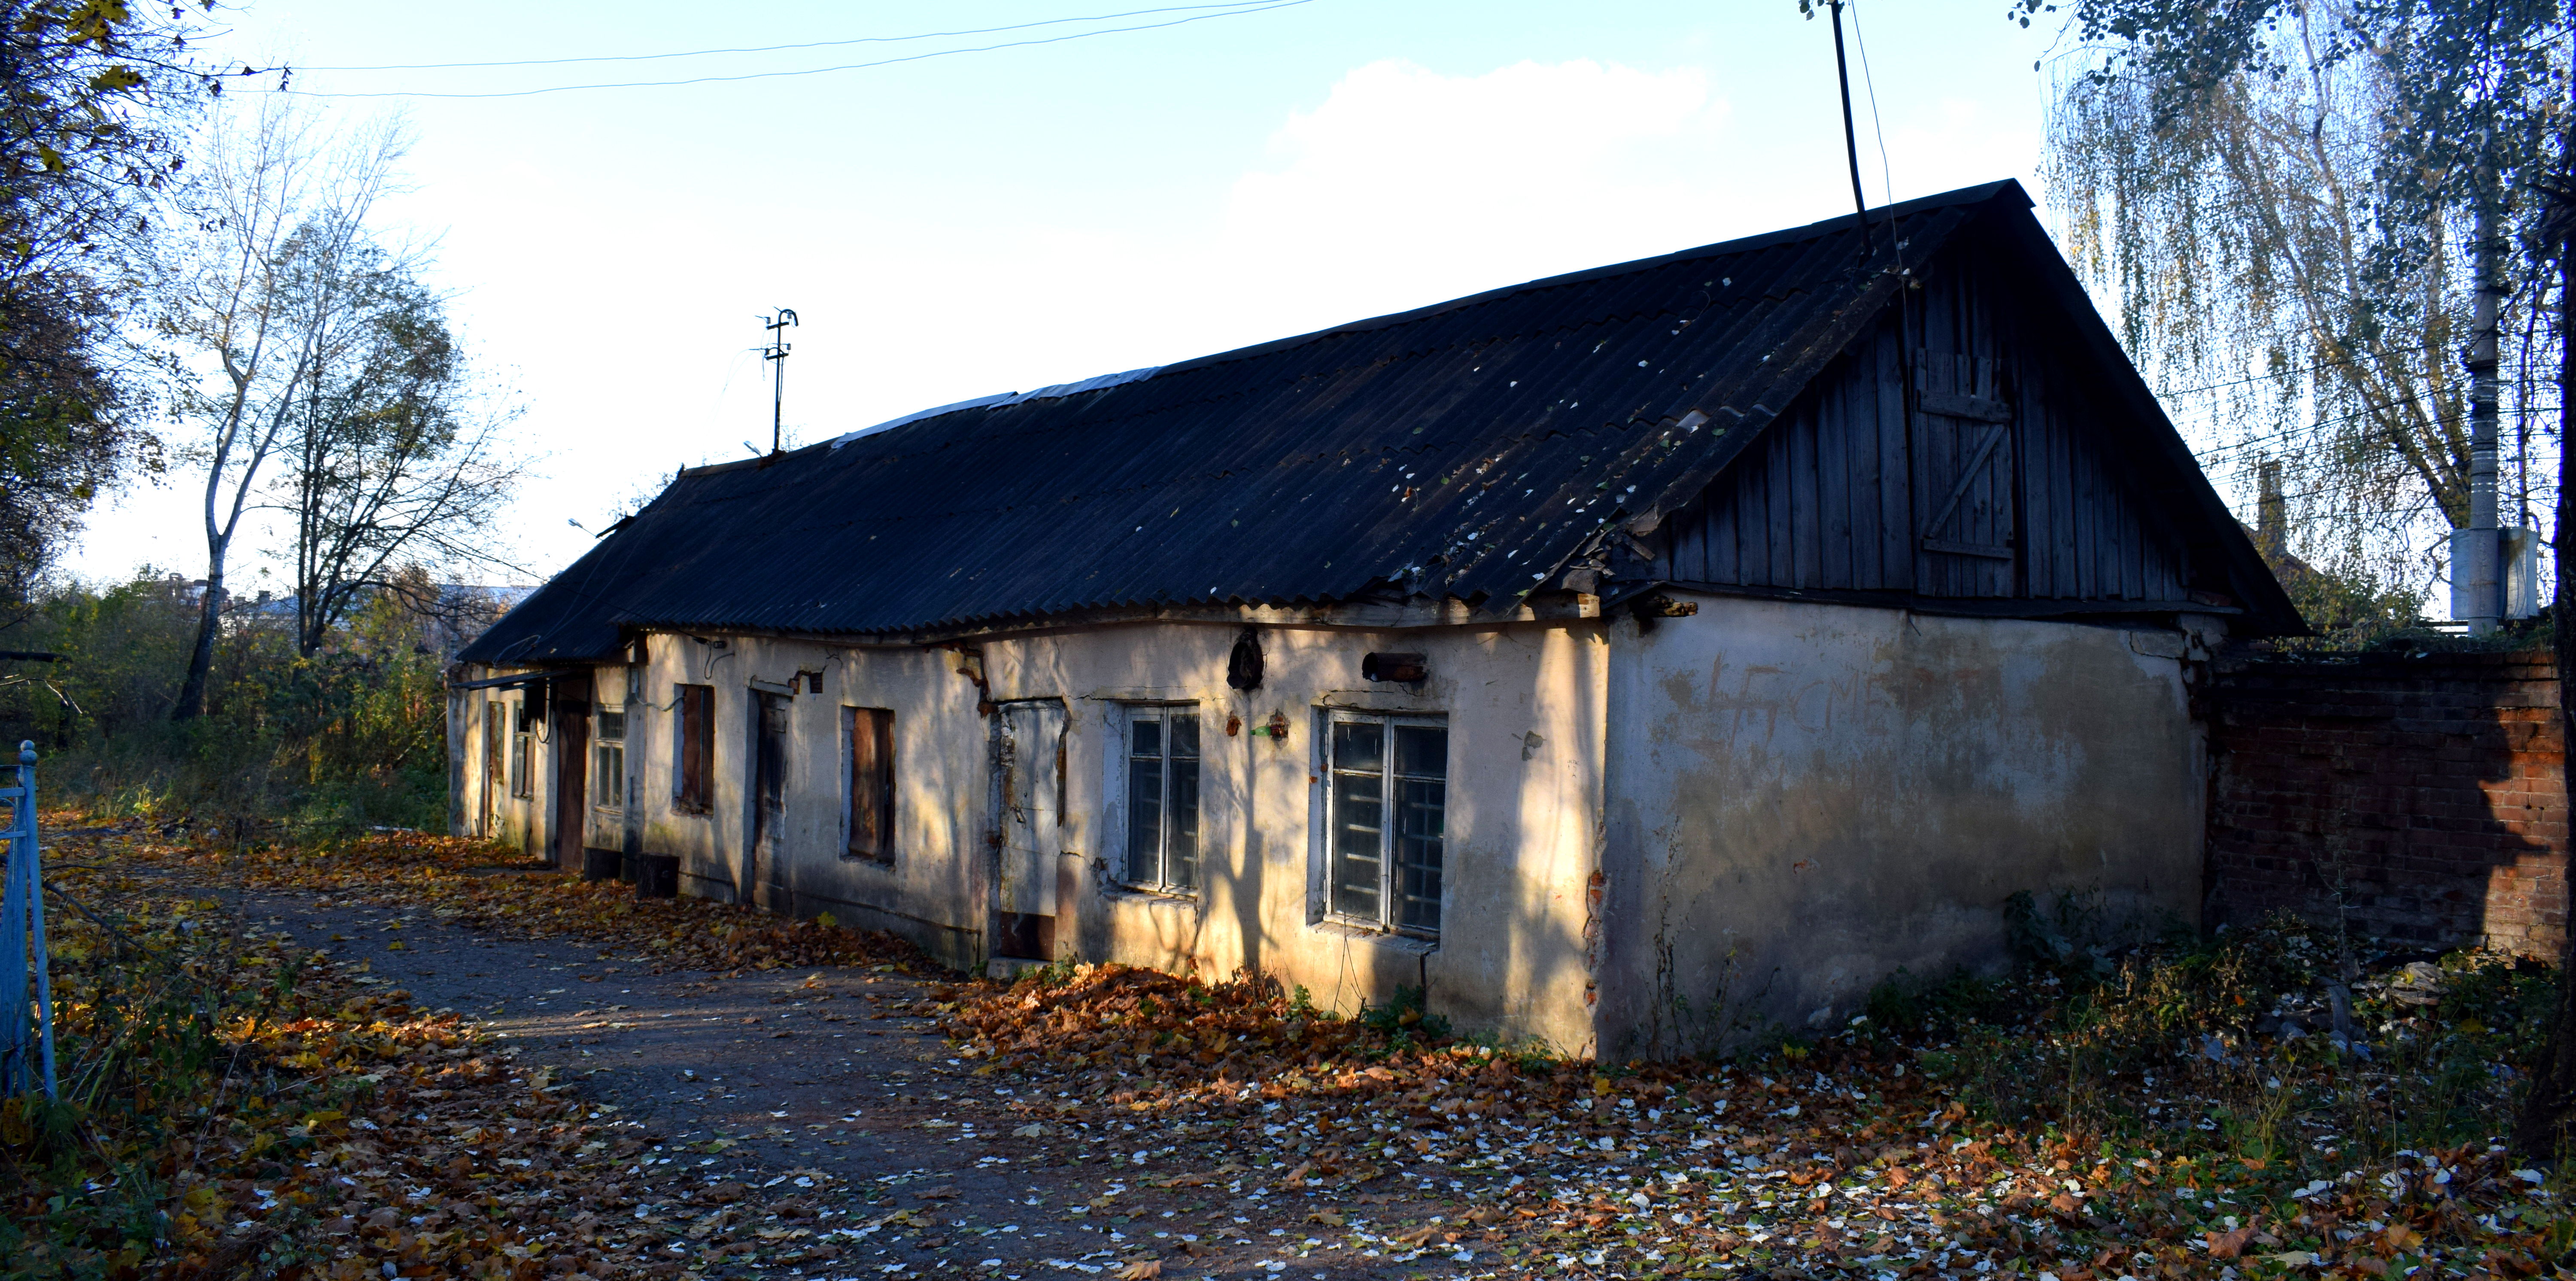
[
  {"x": 335, "y": 742},
  {"x": 2250, "y": 1044}
]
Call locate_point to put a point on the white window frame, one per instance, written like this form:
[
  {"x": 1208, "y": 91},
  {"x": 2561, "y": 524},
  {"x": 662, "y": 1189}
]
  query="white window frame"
[
  {"x": 1122, "y": 805},
  {"x": 606, "y": 778},
  {"x": 1386, "y": 920}
]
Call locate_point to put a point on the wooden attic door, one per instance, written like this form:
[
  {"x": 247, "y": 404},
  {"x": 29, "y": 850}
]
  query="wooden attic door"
[{"x": 1966, "y": 535}]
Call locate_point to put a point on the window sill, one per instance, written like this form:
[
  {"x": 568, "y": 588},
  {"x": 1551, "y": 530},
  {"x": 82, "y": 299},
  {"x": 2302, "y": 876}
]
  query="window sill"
[
  {"x": 1148, "y": 894},
  {"x": 1402, "y": 944},
  {"x": 870, "y": 860}
]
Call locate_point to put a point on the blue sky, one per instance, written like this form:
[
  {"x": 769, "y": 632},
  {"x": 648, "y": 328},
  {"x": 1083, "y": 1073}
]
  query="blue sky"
[{"x": 998, "y": 221}]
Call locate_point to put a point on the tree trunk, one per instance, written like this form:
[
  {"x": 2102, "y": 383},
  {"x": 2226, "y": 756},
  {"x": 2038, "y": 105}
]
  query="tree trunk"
[
  {"x": 2548, "y": 1121},
  {"x": 201, "y": 658}
]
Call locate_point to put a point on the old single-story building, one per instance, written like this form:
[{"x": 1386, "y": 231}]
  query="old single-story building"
[{"x": 1619, "y": 656}]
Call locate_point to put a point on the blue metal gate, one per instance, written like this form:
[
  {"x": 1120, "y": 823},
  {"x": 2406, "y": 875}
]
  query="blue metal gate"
[{"x": 26, "y": 987}]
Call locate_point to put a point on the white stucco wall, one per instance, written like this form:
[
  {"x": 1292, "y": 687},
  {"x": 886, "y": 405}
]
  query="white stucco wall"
[
  {"x": 1740, "y": 818},
  {"x": 515, "y": 821},
  {"x": 1524, "y": 707},
  {"x": 1805, "y": 798}
]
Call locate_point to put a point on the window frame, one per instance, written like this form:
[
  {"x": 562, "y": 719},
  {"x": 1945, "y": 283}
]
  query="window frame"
[
  {"x": 1390, "y": 899},
  {"x": 523, "y": 780},
  {"x": 1122, "y": 783},
  {"x": 496, "y": 750},
  {"x": 693, "y": 748},
  {"x": 608, "y": 759},
  {"x": 878, "y": 782}
]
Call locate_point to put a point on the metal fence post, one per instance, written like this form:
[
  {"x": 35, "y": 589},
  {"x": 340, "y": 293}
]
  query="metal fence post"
[{"x": 22, "y": 946}]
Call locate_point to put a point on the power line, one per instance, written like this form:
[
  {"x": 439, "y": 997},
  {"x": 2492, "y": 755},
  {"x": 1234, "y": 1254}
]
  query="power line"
[
  {"x": 777, "y": 48},
  {"x": 1877, "y": 123},
  {"x": 1265, "y": 7}
]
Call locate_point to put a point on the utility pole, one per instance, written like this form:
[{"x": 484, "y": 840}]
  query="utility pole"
[
  {"x": 776, "y": 353},
  {"x": 2477, "y": 581},
  {"x": 1851, "y": 137}
]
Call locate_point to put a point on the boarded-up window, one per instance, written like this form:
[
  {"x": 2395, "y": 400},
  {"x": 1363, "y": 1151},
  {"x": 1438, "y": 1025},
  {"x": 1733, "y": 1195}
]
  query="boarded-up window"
[
  {"x": 693, "y": 778},
  {"x": 871, "y": 739},
  {"x": 496, "y": 731}
]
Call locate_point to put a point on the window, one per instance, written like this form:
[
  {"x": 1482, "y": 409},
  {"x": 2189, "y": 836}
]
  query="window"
[
  {"x": 869, "y": 739},
  {"x": 1388, "y": 801},
  {"x": 693, "y": 774},
  {"x": 1163, "y": 798},
  {"x": 608, "y": 758},
  {"x": 523, "y": 782},
  {"x": 495, "y": 731}
]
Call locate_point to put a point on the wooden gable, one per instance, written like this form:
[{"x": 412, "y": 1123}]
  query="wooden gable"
[{"x": 2011, "y": 480}]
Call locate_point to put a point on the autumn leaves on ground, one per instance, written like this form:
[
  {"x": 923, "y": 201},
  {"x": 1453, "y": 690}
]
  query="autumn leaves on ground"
[{"x": 234, "y": 1106}]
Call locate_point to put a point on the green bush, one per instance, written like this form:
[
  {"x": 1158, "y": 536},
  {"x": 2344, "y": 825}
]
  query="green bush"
[{"x": 346, "y": 738}]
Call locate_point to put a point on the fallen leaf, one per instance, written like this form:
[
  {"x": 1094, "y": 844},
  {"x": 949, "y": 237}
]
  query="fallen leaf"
[
  {"x": 2229, "y": 1245},
  {"x": 1141, "y": 1270}
]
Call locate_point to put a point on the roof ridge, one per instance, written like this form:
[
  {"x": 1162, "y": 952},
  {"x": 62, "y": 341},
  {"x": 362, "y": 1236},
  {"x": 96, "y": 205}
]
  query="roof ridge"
[{"x": 1741, "y": 244}]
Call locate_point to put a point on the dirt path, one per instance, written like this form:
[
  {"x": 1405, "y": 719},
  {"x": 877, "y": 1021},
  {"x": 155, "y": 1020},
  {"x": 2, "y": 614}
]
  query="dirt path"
[{"x": 833, "y": 1090}]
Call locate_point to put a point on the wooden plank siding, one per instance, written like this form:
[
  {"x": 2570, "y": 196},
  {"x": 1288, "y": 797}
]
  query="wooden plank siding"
[{"x": 2004, "y": 483}]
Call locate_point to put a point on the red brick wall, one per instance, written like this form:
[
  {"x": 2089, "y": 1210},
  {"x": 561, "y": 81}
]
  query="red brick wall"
[{"x": 2419, "y": 799}]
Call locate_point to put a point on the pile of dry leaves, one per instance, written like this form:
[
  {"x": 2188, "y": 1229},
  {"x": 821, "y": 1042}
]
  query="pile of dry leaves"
[
  {"x": 233, "y": 1104},
  {"x": 1860, "y": 1155}
]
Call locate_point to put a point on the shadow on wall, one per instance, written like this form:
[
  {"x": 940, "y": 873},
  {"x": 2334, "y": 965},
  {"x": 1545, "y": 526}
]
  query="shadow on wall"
[{"x": 2413, "y": 799}]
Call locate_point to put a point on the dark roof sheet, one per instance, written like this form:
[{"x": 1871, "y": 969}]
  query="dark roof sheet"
[{"x": 1466, "y": 449}]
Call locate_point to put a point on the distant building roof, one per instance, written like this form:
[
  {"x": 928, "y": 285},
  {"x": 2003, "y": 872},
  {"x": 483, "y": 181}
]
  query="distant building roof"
[{"x": 1468, "y": 449}]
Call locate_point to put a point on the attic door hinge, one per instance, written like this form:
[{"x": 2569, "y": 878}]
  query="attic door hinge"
[
  {"x": 1948, "y": 547},
  {"x": 1950, "y": 404}
]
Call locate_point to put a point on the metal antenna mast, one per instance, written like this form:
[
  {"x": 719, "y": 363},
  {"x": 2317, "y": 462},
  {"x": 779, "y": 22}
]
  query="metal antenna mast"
[{"x": 776, "y": 353}]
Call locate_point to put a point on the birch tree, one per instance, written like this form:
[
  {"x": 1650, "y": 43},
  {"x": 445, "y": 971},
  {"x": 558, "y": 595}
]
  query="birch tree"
[
  {"x": 2280, "y": 199},
  {"x": 281, "y": 203}
]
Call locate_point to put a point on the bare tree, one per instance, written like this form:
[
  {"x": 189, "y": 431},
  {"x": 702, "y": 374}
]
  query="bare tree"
[
  {"x": 395, "y": 460},
  {"x": 281, "y": 203}
]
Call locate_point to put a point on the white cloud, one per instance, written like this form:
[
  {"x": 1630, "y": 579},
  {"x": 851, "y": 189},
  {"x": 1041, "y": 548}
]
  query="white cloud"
[{"x": 1409, "y": 185}]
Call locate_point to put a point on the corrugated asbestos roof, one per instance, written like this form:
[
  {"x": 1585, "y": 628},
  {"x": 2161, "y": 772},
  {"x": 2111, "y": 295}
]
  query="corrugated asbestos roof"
[{"x": 1467, "y": 449}]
